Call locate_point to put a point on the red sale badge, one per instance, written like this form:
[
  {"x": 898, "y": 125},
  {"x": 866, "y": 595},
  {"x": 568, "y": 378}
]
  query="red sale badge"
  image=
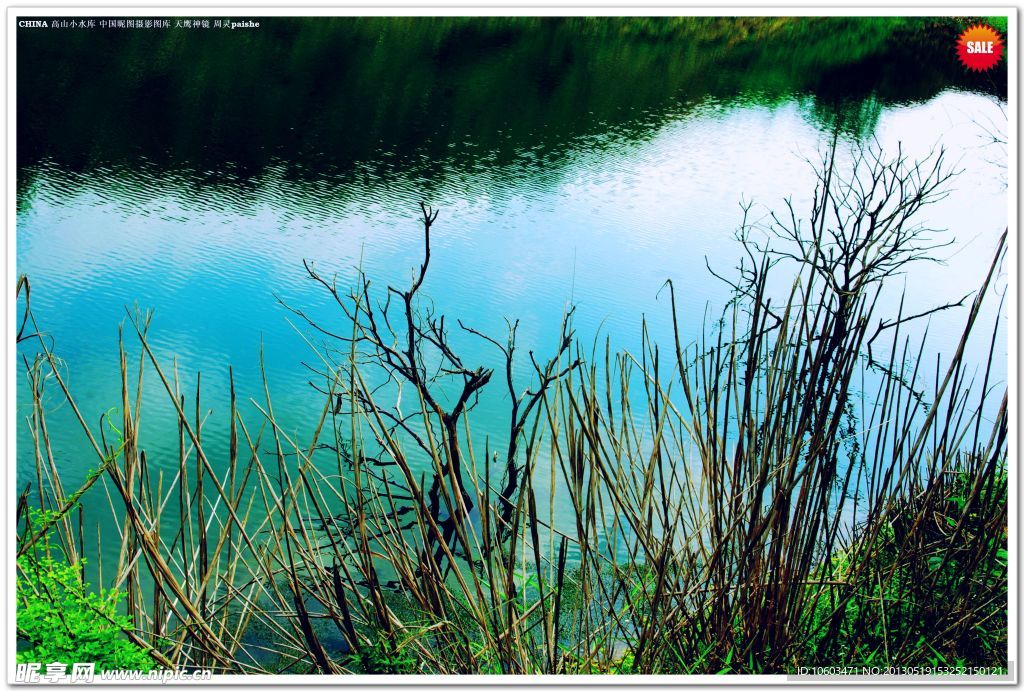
[{"x": 979, "y": 47}]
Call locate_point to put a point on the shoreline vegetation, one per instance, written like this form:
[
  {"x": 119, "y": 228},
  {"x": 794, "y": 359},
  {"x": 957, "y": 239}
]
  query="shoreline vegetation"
[{"x": 770, "y": 492}]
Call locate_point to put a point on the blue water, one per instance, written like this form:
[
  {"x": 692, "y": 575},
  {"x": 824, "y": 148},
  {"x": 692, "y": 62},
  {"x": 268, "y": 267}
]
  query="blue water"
[{"x": 601, "y": 226}]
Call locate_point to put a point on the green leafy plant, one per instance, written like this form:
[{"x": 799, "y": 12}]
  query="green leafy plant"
[
  {"x": 61, "y": 620},
  {"x": 385, "y": 656}
]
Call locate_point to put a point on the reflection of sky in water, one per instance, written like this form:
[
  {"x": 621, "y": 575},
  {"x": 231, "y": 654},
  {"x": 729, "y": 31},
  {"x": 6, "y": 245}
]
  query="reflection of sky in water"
[{"x": 604, "y": 228}]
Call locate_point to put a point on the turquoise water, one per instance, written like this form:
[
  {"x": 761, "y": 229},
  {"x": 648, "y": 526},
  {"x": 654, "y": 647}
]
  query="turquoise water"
[{"x": 527, "y": 227}]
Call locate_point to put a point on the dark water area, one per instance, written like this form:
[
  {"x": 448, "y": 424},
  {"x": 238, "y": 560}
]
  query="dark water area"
[{"x": 331, "y": 96}]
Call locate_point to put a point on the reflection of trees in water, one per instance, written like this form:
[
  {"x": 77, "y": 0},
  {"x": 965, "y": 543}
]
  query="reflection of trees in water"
[{"x": 325, "y": 95}]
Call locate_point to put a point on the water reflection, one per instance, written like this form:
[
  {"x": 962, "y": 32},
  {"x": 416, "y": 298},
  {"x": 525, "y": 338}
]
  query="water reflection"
[
  {"x": 603, "y": 231},
  {"x": 350, "y": 96},
  {"x": 584, "y": 171}
]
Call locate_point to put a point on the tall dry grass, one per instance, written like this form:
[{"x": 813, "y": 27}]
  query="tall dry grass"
[{"x": 773, "y": 493}]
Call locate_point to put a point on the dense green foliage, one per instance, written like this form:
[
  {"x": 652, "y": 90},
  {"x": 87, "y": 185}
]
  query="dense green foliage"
[
  {"x": 60, "y": 619},
  {"x": 935, "y": 590}
]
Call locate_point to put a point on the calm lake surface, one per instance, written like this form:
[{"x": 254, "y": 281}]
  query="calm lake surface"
[{"x": 193, "y": 176}]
